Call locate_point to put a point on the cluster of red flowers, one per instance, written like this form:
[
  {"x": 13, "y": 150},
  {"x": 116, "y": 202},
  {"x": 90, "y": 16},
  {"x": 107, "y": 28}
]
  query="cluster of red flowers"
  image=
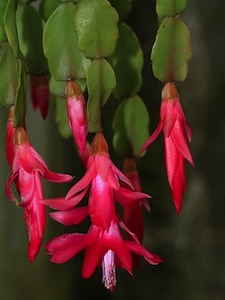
[{"x": 105, "y": 185}]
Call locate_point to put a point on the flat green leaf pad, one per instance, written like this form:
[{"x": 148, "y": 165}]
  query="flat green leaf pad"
[
  {"x": 65, "y": 59},
  {"x": 100, "y": 83},
  {"x": 170, "y": 8},
  {"x": 95, "y": 22},
  {"x": 171, "y": 51},
  {"x": 30, "y": 32},
  {"x": 9, "y": 66},
  {"x": 130, "y": 126},
  {"x": 127, "y": 62}
]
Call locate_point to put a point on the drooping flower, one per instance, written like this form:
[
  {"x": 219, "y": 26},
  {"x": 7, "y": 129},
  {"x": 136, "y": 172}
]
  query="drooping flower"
[
  {"x": 77, "y": 118},
  {"x": 27, "y": 169},
  {"x": 133, "y": 216},
  {"x": 103, "y": 243},
  {"x": 39, "y": 91},
  {"x": 177, "y": 133}
]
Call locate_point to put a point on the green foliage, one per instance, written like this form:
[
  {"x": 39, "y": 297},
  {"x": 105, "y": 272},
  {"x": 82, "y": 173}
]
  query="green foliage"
[
  {"x": 57, "y": 88},
  {"x": 130, "y": 126},
  {"x": 127, "y": 62},
  {"x": 65, "y": 59},
  {"x": 30, "y": 31},
  {"x": 171, "y": 51},
  {"x": 123, "y": 7},
  {"x": 26, "y": 1},
  {"x": 95, "y": 22},
  {"x": 10, "y": 26},
  {"x": 61, "y": 117},
  {"x": 9, "y": 66},
  {"x": 47, "y": 8},
  {"x": 21, "y": 95},
  {"x": 100, "y": 83},
  {"x": 170, "y": 8},
  {"x": 3, "y": 37}
]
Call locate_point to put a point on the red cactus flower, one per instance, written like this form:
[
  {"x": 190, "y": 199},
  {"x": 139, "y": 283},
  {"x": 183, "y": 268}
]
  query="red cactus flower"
[
  {"x": 77, "y": 118},
  {"x": 133, "y": 216},
  {"x": 40, "y": 93},
  {"x": 103, "y": 242},
  {"x": 177, "y": 133},
  {"x": 27, "y": 168}
]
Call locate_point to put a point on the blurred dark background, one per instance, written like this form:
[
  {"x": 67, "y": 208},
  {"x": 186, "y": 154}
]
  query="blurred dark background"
[{"x": 192, "y": 245}]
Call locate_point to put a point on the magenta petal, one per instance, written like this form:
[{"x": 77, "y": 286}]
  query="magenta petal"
[
  {"x": 29, "y": 184},
  {"x": 112, "y": 180},
  {"x": 129, "y": 198},
  {"x": 178, "y": 187},
  {"x": 113, "y": 241},
  {"x": 172, "y": 159},
  {"x": 102, "y": 164},
  {"x": 92, "y": 257},
  {"x": 56, "y": 177},
  {"x": 121, "y": 176},
  {"x": 168, "y": 116},
  {"x": 64, "y": 247},
  {"x": 70, "y": 217},
  {"x": 83, "y": 182},
  {"x": 124, "y": 227},
  {"x": 152, "y": 138},
  {"x": 26, "y": 156},
  {"x": 101, "y": 203},
  {"x": 188, "y": 131},
  {"x": 64, "y": 204},
  {"x": 151, "y": 258},
  {"x": 8, "y": 188},
  {"x": 180, "y": 142}
]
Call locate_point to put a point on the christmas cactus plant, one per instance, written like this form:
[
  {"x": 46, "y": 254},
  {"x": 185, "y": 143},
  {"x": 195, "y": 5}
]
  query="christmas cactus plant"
[{"x": 75, "y": 55}]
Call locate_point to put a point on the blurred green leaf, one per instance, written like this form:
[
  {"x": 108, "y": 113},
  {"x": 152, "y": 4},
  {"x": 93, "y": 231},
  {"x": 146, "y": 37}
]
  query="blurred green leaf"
[
  {"x": 171, "y": 51},
  {"x": 30, "y": 32},
  {"x": 47, "y": 8},
  {"x": 170, "y": 8},
  {"x": 10, "y": 26},
  {"x": 9, "y": 66},
  {"x": 65, "y": 59},
  {"x": 95, "y": 22},
  {"x": 123, "y": 7},
  {"x": 61, "y": 117},
  {"x": 26, "y": 1},
  {"x": 58, "y": 87},
  {"x": 3, "y": 37},
  {"x": 127, "y": 62},
  {"x": 21, "y": 95},
  {"x": 100, "y": 83},
  {"x": 130, "y": 126}
]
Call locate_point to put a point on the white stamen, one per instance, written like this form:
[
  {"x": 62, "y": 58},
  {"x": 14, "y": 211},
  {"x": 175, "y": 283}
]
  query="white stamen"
[{"x": 109, "y": 270}]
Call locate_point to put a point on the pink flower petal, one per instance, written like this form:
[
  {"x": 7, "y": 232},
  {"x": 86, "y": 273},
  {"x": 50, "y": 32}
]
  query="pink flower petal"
[
  {"x": 112, "y": 240},
  {"x": 92, "y": 258},
  {"x": 180, "y": 142},
  {"x": 152, "y": 138},
  {"x": 64, "y": 247},
  {"x": 83, "y": 183},
  {"x": 65, "y": 204},
  {"x": 8, "y": 188},
  {"x": 101, "y": 203},
  {"x": 102, "y": 164},
  {"x": 71, "y": 217},
  {"x": 129, "y": 198},
  {"x": 151, "y": 258},
  {"x": 56, "y": 177},
  {"x": 172, "y": 159},
  {"x": 168, "y": 115}
]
